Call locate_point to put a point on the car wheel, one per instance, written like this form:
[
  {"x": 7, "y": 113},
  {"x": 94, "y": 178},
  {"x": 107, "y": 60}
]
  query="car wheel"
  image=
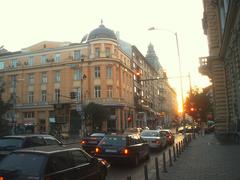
[{"x": 102, "y": 175}]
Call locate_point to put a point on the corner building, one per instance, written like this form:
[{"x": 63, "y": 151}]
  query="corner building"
[
  {"x": 39, "y": 81},
  {"x": 221, "y": 24}
]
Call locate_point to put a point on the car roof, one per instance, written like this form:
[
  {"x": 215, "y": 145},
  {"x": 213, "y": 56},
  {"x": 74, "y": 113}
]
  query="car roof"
[
  {"x": 27, "y": 135},
  {"x": 151, "y": 130},
  {"x": 46, "y": 149},
  {"x": 168, "y": 130}
]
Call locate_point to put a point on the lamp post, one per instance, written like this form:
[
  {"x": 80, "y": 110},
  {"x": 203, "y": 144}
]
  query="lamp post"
[{"x": 180, "y": 69}]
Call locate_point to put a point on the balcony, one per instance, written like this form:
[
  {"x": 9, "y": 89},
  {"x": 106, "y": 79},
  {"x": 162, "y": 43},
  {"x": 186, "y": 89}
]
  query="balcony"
[{"x": 204, "y": 66}]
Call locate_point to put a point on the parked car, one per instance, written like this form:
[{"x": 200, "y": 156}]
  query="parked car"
[
  {"x": 155, "y": 138},
  {"x": 90, "y": 142},
  {"x": 169, "y": 135},
  {"x": 123, "y": 148},
  {"x": 13, "y": 142},
  {"x": 52, "y": 163},
  {"x": 130, "y": 131}
]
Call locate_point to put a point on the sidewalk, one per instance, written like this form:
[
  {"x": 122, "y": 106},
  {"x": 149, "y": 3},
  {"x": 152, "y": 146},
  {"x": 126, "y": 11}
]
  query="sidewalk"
[{"x": 205, "y": 159}]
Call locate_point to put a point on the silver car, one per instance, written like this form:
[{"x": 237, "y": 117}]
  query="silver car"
[{"x": 155, "y": 138}]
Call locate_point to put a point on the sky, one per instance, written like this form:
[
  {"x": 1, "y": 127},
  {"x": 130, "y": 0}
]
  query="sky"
[{"x": 27, "y": 22}]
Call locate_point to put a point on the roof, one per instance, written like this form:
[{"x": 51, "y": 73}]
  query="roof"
[
  {"x": 27, "y": 135},
  {"x": 46, "y": 149},
  {"x": 100, "y": 32}
]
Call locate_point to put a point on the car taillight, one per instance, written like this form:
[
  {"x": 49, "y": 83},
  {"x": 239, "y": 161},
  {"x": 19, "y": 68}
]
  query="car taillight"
[
  {"x": 125, "y": 151},
  {"x": 83, "y": 142},
  {"x": 97, "y": 150},
  {"x": 1, "y": 178}
]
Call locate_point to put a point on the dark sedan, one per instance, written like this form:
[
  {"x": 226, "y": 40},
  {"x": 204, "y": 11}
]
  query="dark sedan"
[
  {"x": 52, "y": 163},
  {"x": 89, "y": 143},
  {"x": 13, "y": 142},
  {"x": 118, "y": 148}
]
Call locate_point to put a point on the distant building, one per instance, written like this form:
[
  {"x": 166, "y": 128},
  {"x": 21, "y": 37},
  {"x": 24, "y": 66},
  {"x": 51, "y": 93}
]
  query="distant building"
[{"x": 221, "y": 24}]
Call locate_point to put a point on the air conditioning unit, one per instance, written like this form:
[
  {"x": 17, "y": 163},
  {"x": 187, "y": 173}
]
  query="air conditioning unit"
[{"x": 26, "y": 63}]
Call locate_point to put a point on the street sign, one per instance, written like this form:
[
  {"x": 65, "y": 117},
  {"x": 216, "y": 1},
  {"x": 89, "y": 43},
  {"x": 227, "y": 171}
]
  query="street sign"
[{"x": 79, "y": 107}]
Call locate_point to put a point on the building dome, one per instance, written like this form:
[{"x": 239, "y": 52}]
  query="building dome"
[{"x": 102, "y": 32}]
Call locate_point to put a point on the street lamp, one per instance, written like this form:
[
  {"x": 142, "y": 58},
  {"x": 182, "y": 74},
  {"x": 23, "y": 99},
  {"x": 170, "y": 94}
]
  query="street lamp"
[{"x": 180, "y": 69}]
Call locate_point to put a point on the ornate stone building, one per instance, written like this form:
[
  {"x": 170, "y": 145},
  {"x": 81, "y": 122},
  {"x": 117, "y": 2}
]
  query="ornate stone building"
[
  {"x": 40, "y": 80},
  {"x": 221, "y": 24}
]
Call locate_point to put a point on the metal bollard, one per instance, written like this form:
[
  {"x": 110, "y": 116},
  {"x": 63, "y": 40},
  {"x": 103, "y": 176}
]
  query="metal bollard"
[
  {"x": 157, "y": 169},
  {"x": 174, "y": 153},
  {"x": 182, "y": 146},
  {"x": 164, "y": 163},
  {"x": 129, "y": 178},
  {"x": 177, "y": 150},
  {"x": 145, "y": 172},
  {"x": 170, "y": 157}
]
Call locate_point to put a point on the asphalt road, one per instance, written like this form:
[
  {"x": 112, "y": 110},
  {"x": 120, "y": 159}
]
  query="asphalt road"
[{"x": 122, "y": 171}]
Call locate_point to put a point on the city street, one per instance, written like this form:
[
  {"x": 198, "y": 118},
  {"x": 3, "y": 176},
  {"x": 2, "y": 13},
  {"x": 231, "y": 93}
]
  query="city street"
[{"x": 121, "y": 171}]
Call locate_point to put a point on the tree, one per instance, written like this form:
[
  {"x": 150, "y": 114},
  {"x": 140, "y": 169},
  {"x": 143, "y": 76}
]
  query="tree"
[
  {"x": 97, "y": 114},
  {"x": 198, "y": 104},
  {"x": 4, "y": 107}
]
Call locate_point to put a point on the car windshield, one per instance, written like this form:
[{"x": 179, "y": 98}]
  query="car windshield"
[
  {"x": 150, "y": 133},
  {"x": 10, "y": 143},
  {"x": 113, "y": 141},
  {"x": 26, "y": 164}
]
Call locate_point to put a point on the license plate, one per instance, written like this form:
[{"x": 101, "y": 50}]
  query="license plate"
[{"x": 111, "y": 150}]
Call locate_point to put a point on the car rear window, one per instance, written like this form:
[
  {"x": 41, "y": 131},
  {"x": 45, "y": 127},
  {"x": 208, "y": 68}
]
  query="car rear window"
[
  {"x": 150, "y": 133},
  {"x": 10, "y": 143},
  {"x": 97, "y": 134},
  {"x": 26, "y": 164},
  {"x": 113, "y": 140}
]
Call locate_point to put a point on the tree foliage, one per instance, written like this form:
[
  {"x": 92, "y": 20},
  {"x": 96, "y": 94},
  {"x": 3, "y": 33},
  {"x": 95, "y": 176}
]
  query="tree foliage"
[
  {"x": 198, "y": 104},
  {"x": 96, "y": 113},
  {"x": 4, "y": 107}
]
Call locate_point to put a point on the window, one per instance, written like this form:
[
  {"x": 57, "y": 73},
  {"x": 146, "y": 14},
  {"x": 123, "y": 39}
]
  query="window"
[
  {"x": 77, "y": 74},
  {"x": 107, "y": 52},
  {"x": 43, "y": 96},
  {"x": 78, "y": 94},
  {"x": 1, "y": 65},
  {"x": 57, "y": 95},
  {"x": 28, "y": 114},
  {"x": 109, "y": 72},
  {"x": 31, "y": 78},
  {"x": 34, "y": 141},
  {"x": 57, "y": 76},
  {"x": 77, "y": 55},
  {"x": 58, "y": 161},
  {"x": 30, "y": 97},
  {"x": 44, "y": 77},
  {"x": 97, "y": 52},
  {"x": 97, "y": 72},
  {"x": 79, "y": 158},
  {"x": 43, "y": 59},
  {"x": 30, "y": 61},
  {"x": 57, "y": 57},
  {"x": 109, "y": 91},
  {"x": 14, "y": 63},
  {"x": 97, "y": 91}
]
